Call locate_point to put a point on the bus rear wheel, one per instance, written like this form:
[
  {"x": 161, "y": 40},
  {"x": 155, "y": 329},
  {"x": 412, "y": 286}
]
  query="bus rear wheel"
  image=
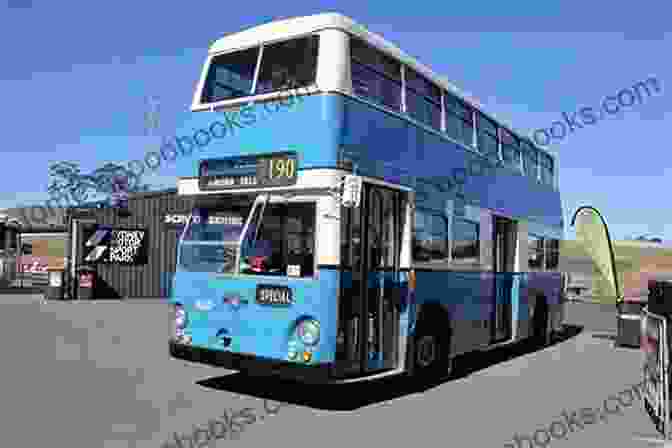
[
  {"x": 432, "y": 355},
  {"x": 541, "y": 336}
]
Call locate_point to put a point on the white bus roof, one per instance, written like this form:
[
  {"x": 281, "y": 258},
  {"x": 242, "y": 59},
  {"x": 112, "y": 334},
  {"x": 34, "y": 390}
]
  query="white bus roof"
[{"x": 283, "y": 29}]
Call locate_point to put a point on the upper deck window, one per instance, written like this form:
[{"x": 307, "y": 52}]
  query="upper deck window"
[
  {"x": 510, "y": 149},
  {"x": 459, "y": 119},
  {"x": 530, "y": 160},
  {"x": 546, "y": 163},
  {"x": 287, "y": 65},
  {"x": 230, "y": 76},
  {"x": 487, "y": 137},
  {"x": 375, "y": 76},
  {"x": 284, "y": 65},
  {"x": 423, "y": 99}
]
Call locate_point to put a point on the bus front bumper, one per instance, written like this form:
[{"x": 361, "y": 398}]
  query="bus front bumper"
[{"x": 250, "y": 364}]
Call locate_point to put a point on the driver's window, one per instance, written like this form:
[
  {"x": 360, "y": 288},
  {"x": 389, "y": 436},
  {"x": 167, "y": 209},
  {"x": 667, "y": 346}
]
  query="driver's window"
[{"x": 284, "y": 242}]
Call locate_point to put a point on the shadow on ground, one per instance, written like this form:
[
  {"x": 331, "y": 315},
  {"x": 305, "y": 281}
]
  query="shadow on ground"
[{"x": 348, "y": 397}]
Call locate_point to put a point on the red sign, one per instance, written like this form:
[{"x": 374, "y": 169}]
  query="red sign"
[
  {"x": 29, "y": 263},
  {"x": 35, "y": 264},
  {"x": 85, "y": 280}
]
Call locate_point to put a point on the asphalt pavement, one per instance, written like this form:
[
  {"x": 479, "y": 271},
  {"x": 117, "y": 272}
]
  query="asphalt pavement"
[{"x": 99, "y": 375}]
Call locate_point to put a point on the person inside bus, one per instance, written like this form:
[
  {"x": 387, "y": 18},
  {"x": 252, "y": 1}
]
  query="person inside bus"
[{"x": 304, "y": 259}]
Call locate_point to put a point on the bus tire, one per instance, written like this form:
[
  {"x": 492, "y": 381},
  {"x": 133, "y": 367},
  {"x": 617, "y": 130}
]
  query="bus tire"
[
  {"x": 541, "y": 336},
  {"x": 431, "y": 355}
]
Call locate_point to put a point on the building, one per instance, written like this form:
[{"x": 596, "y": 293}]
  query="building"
[
  {"x": 60, "y": 242},
  {"x": 148, "y": 270},
  {"x": 40, "y": 252},
  {"x": 32, "y": 222}
]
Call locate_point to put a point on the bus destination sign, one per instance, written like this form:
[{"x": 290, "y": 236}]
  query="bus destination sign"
[{"x": 268, "y": 170}]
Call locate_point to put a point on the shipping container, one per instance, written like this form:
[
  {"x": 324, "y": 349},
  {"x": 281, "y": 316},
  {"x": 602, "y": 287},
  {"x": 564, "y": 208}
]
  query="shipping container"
[{"x": 151, "y": 276}]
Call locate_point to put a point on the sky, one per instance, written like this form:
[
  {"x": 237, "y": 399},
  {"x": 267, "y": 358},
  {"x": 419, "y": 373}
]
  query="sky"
[{"x": 76, "y": 76}]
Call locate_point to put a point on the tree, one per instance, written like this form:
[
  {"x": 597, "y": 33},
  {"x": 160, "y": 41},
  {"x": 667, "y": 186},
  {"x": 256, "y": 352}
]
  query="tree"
[
  {"x": 66, "y": 177},
  {"x": 646, "y": 238}
]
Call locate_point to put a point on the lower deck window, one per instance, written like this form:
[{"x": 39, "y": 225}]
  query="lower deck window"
[
  {"x": 284, "y": 243},
  {"x": 544, "y": 253},
  {"x": 466, "y": 247},
  {"x": 430, "y": 240},
  {"x": 535, "y": 252}
]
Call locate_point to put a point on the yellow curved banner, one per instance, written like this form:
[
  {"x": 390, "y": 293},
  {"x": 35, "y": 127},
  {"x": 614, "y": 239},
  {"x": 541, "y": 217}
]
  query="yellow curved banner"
[{"x": 592, "y": 232}]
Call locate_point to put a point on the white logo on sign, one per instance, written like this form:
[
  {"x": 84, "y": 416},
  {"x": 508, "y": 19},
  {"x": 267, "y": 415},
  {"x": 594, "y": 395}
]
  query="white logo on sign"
[
  {"x": 180, "y": 219},
  {"x": 126, "y": 245},
  {"x": 230, "y": 220}
]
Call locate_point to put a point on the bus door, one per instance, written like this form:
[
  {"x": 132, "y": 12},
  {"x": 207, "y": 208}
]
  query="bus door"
[
  {"x": 370, "y": 252},
  {"x": 504, "y": 245}
]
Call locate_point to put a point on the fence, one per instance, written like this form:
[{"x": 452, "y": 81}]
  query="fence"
[
  {"x": 31, "y": 279},
  {"x": 656, "y": 370}
]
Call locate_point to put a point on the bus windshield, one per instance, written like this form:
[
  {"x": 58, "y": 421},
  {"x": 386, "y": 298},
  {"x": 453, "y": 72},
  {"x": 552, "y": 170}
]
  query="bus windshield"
[{"x": 279, "y": 240}]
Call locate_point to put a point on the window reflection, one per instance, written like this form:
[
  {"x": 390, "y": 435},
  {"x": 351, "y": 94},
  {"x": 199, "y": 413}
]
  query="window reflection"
[
  {"x": 535, "y": 252},
  {"x": 459, "y": 120},
  {"x": 230, "y": 76},
  {"x": 552, "y": 253},
  {"x": 375, "y": 76},
  {"x": 430, "y": 239},
  {"x": 287, "y": 65},
  {"x": 466, "y": 244}
]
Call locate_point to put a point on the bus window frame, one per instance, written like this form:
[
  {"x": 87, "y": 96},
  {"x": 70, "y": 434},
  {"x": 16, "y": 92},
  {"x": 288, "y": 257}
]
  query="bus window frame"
[
  {"x": 199, "y": 104},
  {"x": 274, "y": 199}
]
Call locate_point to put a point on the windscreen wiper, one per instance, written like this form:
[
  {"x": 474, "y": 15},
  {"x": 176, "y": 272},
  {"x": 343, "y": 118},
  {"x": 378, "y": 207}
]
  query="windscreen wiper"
[{"x": 260, "y": 201}]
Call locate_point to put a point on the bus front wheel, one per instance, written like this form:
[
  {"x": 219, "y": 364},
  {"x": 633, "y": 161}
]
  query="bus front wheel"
[{"x": 432, "y": 355}]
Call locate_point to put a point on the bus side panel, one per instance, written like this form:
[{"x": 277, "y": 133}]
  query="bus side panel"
[
  {"x": 329, "y": 281},
  {"x": 390, "y": 147},
  {"x": 406, "y": 312},
  {"x": 548, "y": 285},
  {"x": 466, "y": 296}
]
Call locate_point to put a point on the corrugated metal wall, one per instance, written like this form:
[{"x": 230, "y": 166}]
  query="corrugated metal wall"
[{"x": 153, "y": 279}]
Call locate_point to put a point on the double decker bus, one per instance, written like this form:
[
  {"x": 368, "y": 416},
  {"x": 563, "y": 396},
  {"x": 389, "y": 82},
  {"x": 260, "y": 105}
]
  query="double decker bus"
[{"x": 385, "y": 224}]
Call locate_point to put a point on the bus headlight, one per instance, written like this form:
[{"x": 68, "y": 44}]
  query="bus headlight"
[
  {"x": 309, "y": 331},
  {"x": 180, "y": 317}
]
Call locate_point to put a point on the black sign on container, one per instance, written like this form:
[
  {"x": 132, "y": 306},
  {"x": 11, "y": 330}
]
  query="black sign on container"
[{"x": 126, "y": 246}]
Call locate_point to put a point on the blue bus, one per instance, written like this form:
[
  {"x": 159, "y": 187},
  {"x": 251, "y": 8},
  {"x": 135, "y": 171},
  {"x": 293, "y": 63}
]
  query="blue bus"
[{"x": 383, "y": 224}]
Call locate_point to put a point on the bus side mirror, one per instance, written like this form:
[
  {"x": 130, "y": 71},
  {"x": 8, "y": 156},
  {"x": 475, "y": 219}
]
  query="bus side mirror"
[{"x": 352, "y": 191}]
